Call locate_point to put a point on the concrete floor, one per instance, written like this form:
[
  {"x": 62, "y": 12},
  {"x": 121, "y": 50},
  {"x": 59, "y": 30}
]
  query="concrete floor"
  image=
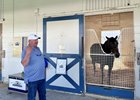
[{"x": 5, "y": 94}]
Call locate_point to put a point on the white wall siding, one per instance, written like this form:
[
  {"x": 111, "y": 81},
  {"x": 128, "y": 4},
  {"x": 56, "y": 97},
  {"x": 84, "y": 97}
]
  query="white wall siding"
[
  {"x": 137, "y": 45},
  {"x": 98, "y": 5},
  {"x": 21, "y": 20}
]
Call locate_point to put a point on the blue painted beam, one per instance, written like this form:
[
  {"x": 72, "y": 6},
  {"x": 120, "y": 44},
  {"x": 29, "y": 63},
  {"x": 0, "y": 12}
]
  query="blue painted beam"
[{"x": 109, "y": 91}]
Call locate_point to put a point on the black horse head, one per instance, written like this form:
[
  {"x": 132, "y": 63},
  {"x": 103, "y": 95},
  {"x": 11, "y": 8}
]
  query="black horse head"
[{"x": 111, "y": 46}]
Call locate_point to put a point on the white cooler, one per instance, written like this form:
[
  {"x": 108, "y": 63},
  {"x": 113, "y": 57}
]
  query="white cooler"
[{"x": 16, "y": 83}]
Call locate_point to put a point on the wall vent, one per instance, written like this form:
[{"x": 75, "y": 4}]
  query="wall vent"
[{"x": 97, "y": 5}]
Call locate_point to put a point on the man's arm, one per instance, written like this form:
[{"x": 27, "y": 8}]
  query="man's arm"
[{"x": 26, "y": 59}]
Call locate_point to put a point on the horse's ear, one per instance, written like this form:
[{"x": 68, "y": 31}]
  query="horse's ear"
[
  {"x": 116, "y": 37},
  {"x": 107, "y": 37}
]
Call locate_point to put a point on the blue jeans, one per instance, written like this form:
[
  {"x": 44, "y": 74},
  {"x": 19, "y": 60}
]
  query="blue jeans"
[{"x": 39, "y": 86}]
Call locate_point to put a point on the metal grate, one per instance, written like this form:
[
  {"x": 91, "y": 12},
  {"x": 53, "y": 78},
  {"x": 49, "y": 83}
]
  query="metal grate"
[{"x": 122, "y": 74}]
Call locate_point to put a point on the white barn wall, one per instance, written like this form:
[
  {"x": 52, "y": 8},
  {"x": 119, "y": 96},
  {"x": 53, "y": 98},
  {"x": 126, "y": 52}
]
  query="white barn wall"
[
  {"x": 25, "y": 23},
  {"x": 9, "y": 65}
]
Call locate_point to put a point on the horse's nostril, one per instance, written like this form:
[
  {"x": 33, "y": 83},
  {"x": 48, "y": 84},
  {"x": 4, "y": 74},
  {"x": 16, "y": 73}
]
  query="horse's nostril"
[{"x": 117, "y": 55}]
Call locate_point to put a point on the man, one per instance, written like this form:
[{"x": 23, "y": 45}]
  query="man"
[{"x": 34, "y": 69}]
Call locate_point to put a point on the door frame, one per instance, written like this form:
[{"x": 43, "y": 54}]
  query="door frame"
[{"x": 78, "y": 57}]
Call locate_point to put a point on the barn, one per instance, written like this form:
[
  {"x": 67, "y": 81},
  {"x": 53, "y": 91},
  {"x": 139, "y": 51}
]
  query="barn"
[{"x": 68, "y": 29}]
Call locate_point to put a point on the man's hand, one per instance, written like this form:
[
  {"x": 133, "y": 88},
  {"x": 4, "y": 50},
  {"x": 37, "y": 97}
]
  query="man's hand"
[
  {"x": 26, "y": 59},
  {"x": 29, "y": 50}
]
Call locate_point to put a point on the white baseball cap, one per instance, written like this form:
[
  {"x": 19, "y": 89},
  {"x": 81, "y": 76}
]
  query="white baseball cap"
[{"x": 33, "y": 37}]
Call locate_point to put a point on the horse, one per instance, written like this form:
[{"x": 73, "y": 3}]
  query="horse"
[{"x": 104, "y": 54}]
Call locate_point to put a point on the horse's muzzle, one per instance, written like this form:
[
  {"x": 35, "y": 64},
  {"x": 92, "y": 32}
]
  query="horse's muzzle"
[{"x": 117, "y": 55}]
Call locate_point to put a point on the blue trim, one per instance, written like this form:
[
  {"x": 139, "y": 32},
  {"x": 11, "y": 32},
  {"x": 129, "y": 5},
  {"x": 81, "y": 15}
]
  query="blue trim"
[
  {"x": 108, "y": 91},
  {"x": 13, "y": 89},
  {"x": 71, "y": 81},
  {"x": 81, "y": 29},
  {"x": 64, "y": 89},
  {"x": 75, "y": 61},
  {"x": 44, "y": 35},
  {"x": 52, "y": 79},
  {"x": 81, "y": 38},
  {"x": 78, "y": 57},
  {"x": 62, "y": 55},
  {"x": 51, "y": 62},
  {"x": 64, "y": 18}
]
